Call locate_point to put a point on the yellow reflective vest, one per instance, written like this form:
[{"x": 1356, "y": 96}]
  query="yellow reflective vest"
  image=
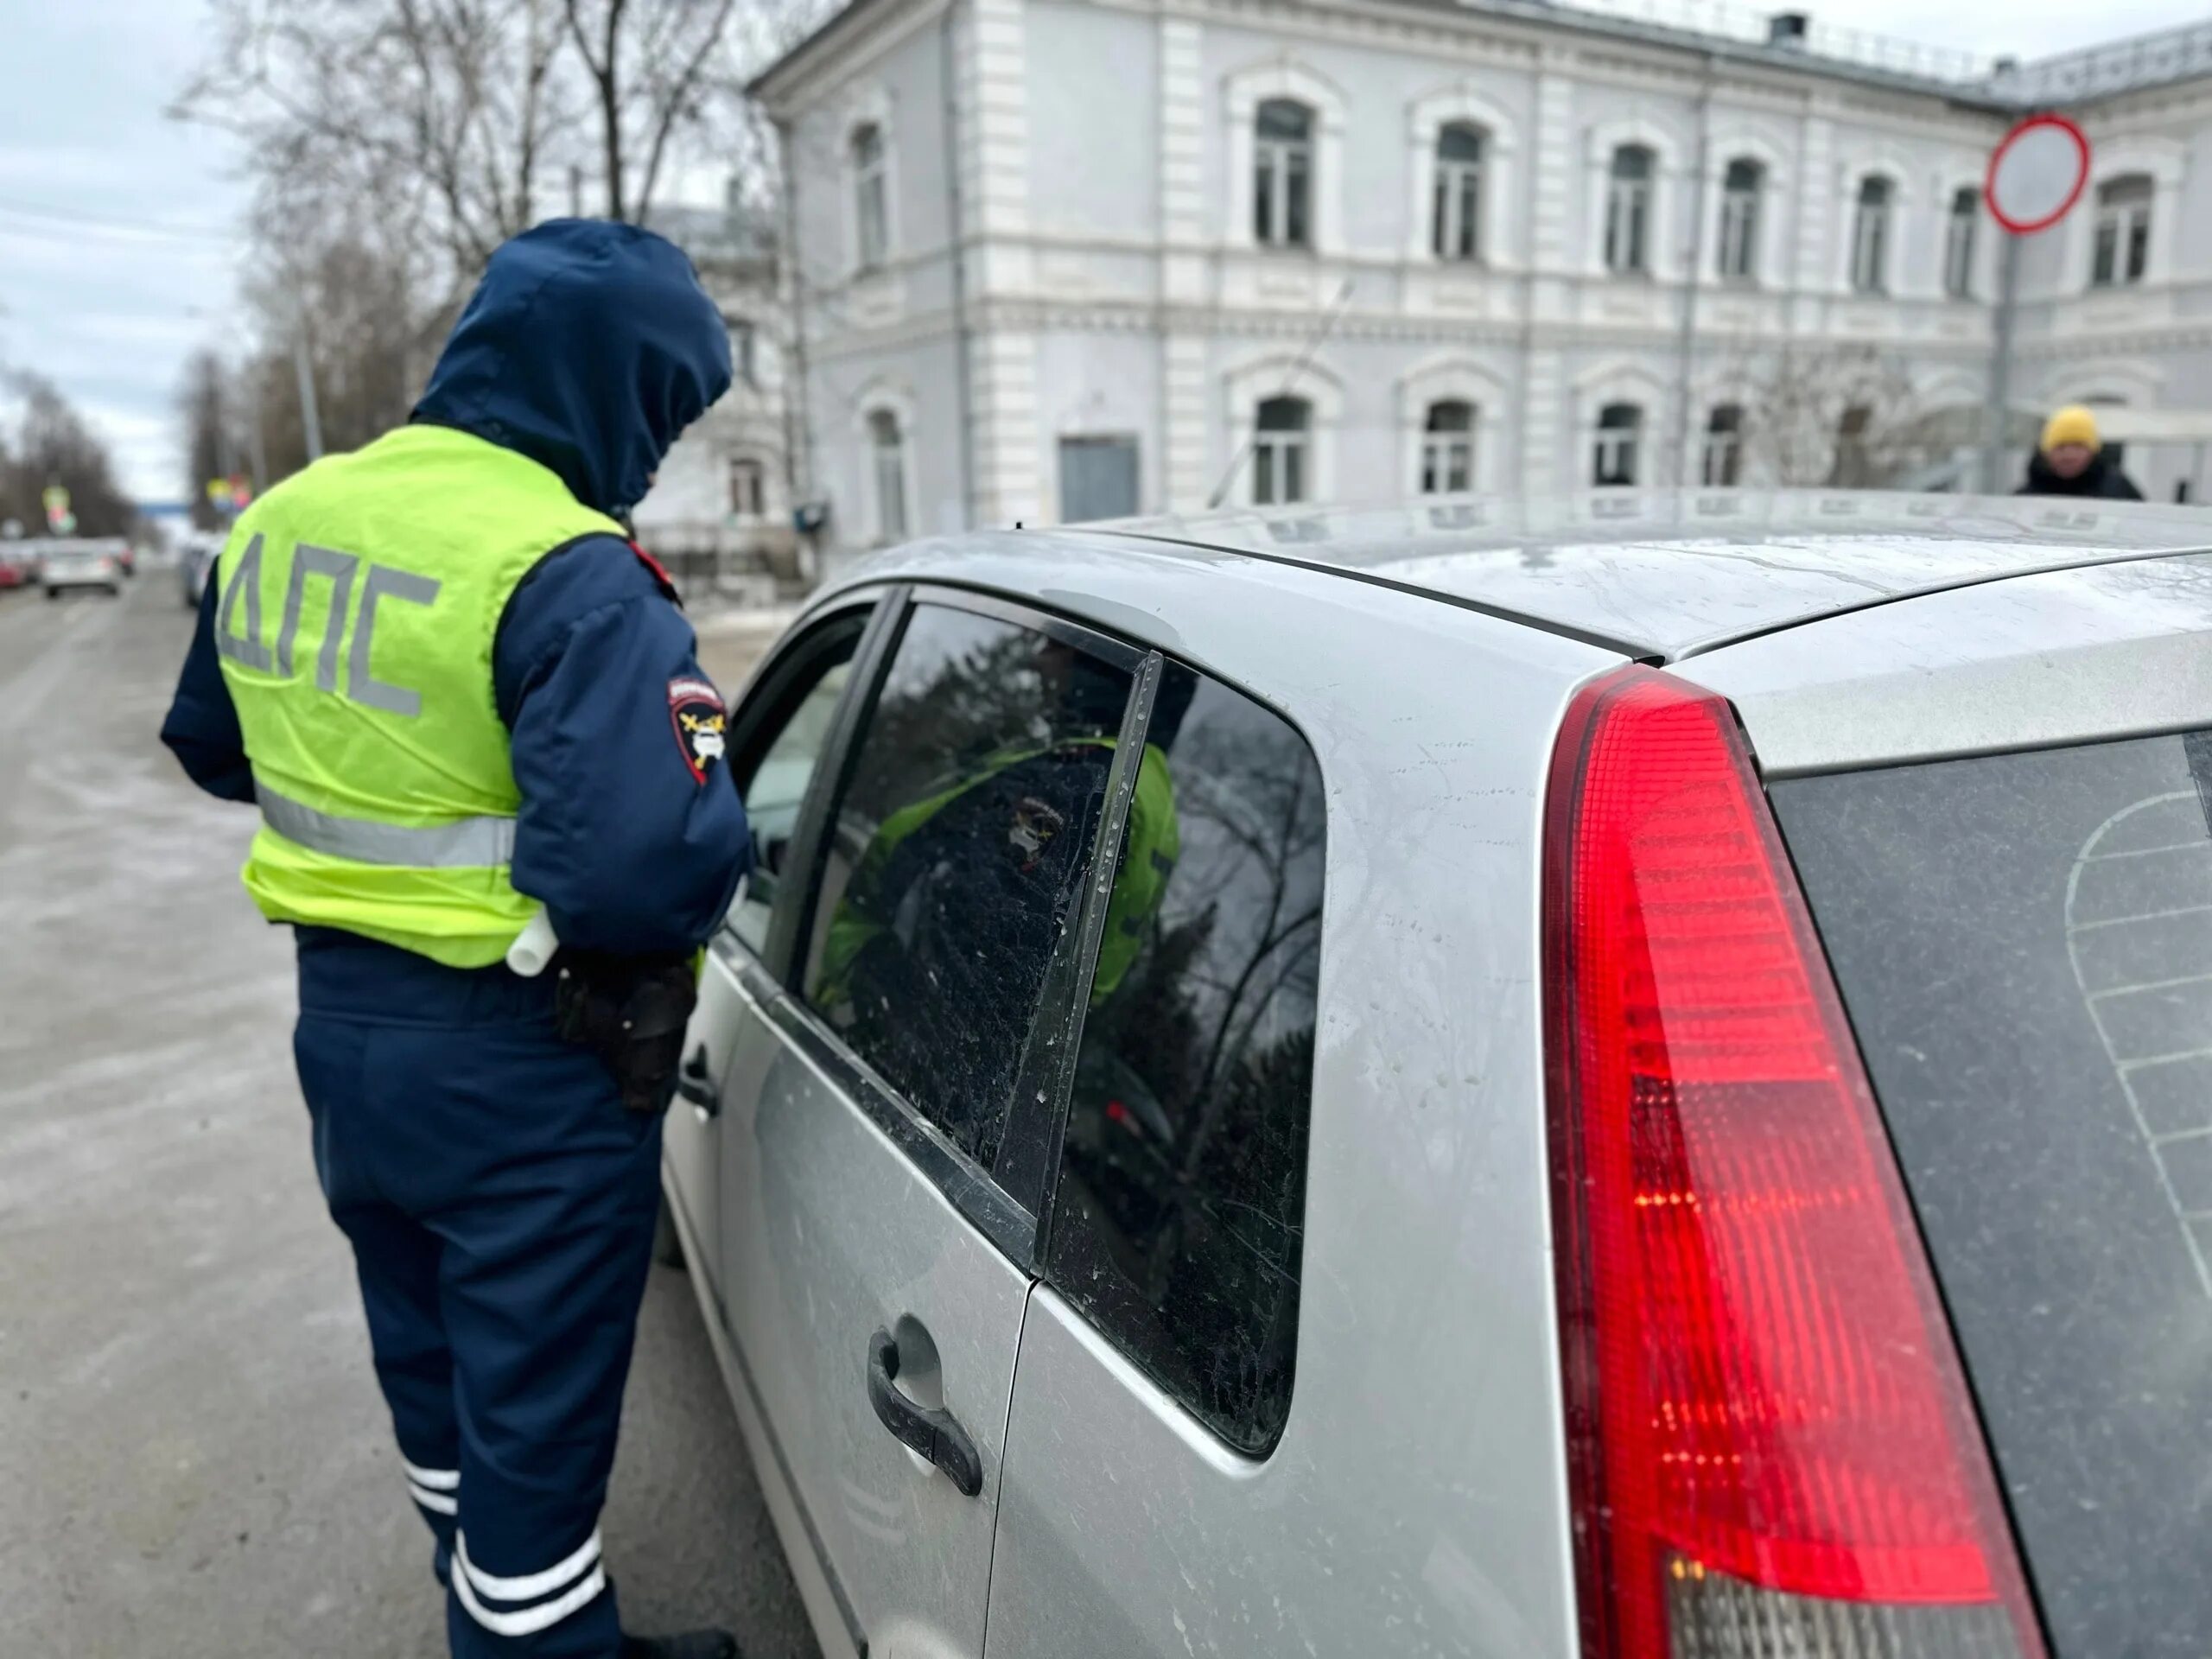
[{"x": 357, "y": 608}]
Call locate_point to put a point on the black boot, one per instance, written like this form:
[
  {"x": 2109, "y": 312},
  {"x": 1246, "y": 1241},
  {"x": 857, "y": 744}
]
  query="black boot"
[{"x": 692, "y": 1644}]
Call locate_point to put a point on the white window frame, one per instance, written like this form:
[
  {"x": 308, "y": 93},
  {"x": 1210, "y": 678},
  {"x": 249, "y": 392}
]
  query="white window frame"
[
  {"x": 1276, "y": 162},
  {"x": 1242, "y": 93},
  {"x": 1454, "y": 376},
  {"x": 1976, "y": 241},
  {"x": 1631, "y": 234},
  {"x": 1770, "y": 249},
  {"x": 759, "y": 470},
  {"x": 1456, "y": 208},
  {"x": 871, "y": 105},
  {"x": 1736, "y": 248},
  {"x": 1272, "y": 450},
  {"x": 1279, "y": 374},
  {"x": 880, "y": 530},
  {"x": 1663, "y": 254},
  {"x": 1635, "y": 439},
  {"x": 1448, "y": 451},
  {"x": 2166, "y": 162},
  {"x": 1871, "y": 254},
  {"x": 2124, "y": 220},
  {"x": 1898, "y": 280},
  {"x": 1715, "y": 445},
  {"x": 1622, "y": 380},
  {"x": 1498, "y": 234}
]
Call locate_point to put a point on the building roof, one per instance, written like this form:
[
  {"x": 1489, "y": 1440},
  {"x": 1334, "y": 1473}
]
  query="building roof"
[
  {"x": 1748, "y": 36},
  {"x": 1667, "y": 574}
]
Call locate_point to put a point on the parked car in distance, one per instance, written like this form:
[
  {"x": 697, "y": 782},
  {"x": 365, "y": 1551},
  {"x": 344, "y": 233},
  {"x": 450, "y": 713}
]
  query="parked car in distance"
[
  {"x": 1628, "y": 1076},
  {"x": 195, "y": 559},
  {"x": 18, "y": 566},
  {"x": 67, "y": 566}
]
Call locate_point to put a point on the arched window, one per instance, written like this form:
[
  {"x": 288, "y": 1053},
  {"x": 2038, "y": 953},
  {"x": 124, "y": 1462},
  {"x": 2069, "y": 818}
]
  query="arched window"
[
  {"x": 871, "y": 203},
  {"x": 887, "y": 447},
  {"x": 1282, "y": 174},
  {"x": 1958, "y": 242},
  {"x": 1456, "y": 233},
  {"x": 1628, "y": 209},
  {"x": 1613, "y": 456},
  {"x": 1869, "y": 236},
  {"x": 1724, "y": 445},
  {"x": 1740, "y": 219},
  {"x": 748, "y": 487},
  {"x": 2123, "y": 245},
  {"x": 1448, "y": 447},
  {"x": 1280, "y": 456}
]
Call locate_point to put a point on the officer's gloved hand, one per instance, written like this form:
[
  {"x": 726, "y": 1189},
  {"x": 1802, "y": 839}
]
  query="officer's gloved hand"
[{"x": 631, "y": 1012}]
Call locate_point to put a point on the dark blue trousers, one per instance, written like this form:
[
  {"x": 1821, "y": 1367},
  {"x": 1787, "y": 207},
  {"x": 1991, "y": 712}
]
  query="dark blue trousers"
[{"x": 500, "y": 1203}]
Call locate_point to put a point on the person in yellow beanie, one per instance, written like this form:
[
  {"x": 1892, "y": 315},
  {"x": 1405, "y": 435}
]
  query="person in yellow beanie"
[{"x": 2070, "y": 460}]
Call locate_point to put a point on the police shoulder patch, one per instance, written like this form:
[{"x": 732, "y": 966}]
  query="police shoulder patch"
[{"x": 695, "y": 710}]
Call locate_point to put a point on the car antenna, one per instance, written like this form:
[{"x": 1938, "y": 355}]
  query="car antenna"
[{"x": 1320, "y": 335}]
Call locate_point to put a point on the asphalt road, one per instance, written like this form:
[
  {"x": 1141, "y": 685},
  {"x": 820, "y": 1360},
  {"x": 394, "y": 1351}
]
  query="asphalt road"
[{"x": 194, "y": 1462}]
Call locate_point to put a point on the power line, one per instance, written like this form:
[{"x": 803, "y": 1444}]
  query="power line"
[{"x": 152, "y": 231}]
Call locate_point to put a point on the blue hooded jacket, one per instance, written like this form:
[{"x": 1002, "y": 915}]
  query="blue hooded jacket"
[{"x": 587, "y": 346}]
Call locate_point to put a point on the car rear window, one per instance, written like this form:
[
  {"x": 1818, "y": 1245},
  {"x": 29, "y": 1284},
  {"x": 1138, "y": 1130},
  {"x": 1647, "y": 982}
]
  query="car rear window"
[{"x": 2024, "y": 942}]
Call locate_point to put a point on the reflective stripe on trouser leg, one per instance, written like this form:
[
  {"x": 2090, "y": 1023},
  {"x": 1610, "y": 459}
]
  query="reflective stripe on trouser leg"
[
  {"x": 528, "y": 1603},
  {"x": 547, "y": 1254},
  {"x": 435, "y": 1490}
]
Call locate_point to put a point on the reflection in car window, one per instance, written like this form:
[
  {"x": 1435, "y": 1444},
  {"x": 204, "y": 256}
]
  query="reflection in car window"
[
  {"x": 776, "y": 787},
  {"x": 956, "y": 860},
  {"x": 1179, "y": 1212}
]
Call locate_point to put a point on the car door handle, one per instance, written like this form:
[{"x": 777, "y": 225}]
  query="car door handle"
[
  {"x": 931, "y": 1433},
  {"x": 697, "y": 1084}
]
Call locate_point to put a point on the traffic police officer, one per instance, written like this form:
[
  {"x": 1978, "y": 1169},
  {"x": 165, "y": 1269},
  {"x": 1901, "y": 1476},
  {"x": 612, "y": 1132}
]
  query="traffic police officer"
[{"x": 458, "y": 692}]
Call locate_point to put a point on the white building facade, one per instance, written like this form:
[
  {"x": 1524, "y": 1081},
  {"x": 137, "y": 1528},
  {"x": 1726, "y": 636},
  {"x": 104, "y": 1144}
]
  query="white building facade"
[{"x": 1063, "y": 260}]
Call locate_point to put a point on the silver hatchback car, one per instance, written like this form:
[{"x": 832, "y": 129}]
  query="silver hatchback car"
[{"x": 1625, "y": 1078}]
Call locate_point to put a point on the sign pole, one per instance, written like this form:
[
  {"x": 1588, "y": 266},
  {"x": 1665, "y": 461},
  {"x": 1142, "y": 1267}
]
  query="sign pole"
[
  {"x": 1997, "y": 417},
  {"x": 2036, "y": 173}
]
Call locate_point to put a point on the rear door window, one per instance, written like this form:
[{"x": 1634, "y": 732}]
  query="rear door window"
[
  {"x": 1178, "y": 1220},
  {"x": 2024, "y": 945},
  {"x": 955, "y": 860}
]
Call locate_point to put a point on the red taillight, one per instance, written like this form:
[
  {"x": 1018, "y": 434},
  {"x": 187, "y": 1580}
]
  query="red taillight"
[{"x": 1772, "y": 1446}]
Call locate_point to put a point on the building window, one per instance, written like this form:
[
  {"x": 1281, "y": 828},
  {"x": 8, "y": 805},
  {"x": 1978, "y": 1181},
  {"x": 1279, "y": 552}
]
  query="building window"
[
  {"x": 886, "y": 448},
  {"x": 1628, "y": 210},
  {"x": 742, "y": 350},
  {"x": 1740, "y": 219},
  {"x": 1280, "y": 453},
  {"x": 1869, "y": 236},
  {"x": 1282, "y": 174},
  {"x": 2123, "y": 245},
  {"x": 1958, "y": 242},
  {"x": 1456, "y": 233},
  {"x": 1447, "y": 448},
  {"x": 748, "y": 488},
  {"x": 871, "y": 197},
  {"x": 1854, "y": 460},
  {"x": 1620, "y": 426},
  {"x": 1724, "y": 446}
]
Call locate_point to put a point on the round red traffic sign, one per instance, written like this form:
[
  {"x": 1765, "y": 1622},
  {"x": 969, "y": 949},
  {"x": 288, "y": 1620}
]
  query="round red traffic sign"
[{"x": 2036, "y": 174}]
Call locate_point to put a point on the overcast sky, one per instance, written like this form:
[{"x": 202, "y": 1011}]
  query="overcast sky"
[{"x": 115, "y": 258}]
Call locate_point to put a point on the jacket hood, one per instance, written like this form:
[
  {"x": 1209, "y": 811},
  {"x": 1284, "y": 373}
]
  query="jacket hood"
[{"x": 587, "y": 346}]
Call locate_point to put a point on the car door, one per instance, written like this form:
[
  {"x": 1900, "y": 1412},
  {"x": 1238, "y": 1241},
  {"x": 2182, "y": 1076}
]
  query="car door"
[
  {"x": 1146, "y": 1509},
  {"x": 887, "y": 1090},
  {"x": 778, "y": 736}
]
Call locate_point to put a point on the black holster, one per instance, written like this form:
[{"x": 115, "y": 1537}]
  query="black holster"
[{"x": 631, "y": 1011}]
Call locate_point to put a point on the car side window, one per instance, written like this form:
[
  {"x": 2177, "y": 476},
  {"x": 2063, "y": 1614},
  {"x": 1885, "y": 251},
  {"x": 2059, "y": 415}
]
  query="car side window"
[
  {"x": 956, "y": 857},
  {"x": 1179, "y": 1210},
  {"x": 776, "y": 765}
]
